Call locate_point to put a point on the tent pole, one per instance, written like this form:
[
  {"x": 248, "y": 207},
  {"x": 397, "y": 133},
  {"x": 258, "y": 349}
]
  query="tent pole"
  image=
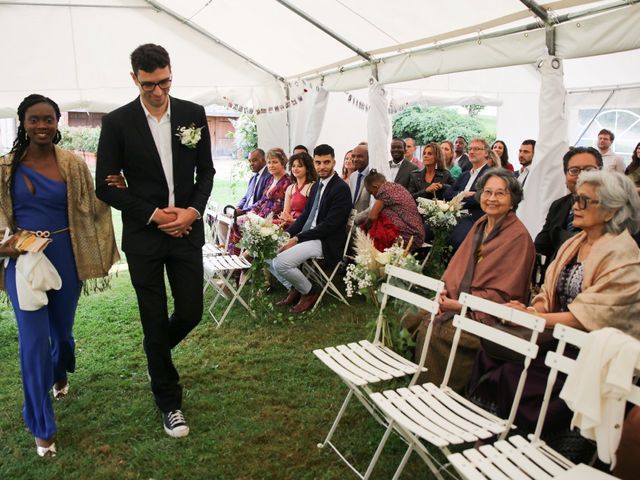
[
  {"x": 188, "y": 23},
  {"x": 594, "y": 117},
  {"x": 326, "y": 30}
]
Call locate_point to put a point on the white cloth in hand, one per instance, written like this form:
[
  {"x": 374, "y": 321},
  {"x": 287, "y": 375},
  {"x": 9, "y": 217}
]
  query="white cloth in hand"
[{"x": 35, "y": 275}]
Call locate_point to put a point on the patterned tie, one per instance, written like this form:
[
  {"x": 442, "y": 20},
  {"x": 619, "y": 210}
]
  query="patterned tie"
[
  {"x": 357, "y": 190},
  {"x": 570, "y": 226},
  {"x": 314, "y": 209}
]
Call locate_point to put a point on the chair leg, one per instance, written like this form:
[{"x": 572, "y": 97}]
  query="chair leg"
[
  {"x": 403, "y": 463},
  {"x": 337, "y": 420},
  {"x": 378, "y": 452}
]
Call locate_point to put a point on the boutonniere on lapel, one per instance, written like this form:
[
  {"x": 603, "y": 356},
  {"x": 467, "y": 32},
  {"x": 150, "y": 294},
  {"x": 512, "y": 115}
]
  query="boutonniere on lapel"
[{"x": 189, "y": 136}]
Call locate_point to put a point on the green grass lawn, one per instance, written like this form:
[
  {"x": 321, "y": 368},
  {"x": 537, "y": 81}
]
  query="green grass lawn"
[{"x": 257, "y": 400}]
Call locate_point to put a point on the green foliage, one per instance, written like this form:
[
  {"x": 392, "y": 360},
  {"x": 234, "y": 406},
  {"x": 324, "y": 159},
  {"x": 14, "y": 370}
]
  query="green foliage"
[
  {"x": 245, "y": 135},
  {"x": 84, "y": 139},
  {"x": 436, "y": 124}
]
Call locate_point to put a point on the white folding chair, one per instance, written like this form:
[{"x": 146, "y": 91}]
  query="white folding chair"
[
  {"x": 520, "y": 458},
  {"x": 218, "y": 270},
  {"x": 440, "y": 416},
  {"x": 316, "y": 273},
  {"x": 363, "y": 364},
  {"x": 217, "y": 233}
]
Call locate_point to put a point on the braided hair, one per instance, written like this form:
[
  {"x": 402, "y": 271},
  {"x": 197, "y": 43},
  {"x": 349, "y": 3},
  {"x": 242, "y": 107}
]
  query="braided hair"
[{"x": 21, "y": 143}]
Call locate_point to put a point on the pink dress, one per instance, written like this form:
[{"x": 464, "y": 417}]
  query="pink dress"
[{"x": 298, "y": 200}]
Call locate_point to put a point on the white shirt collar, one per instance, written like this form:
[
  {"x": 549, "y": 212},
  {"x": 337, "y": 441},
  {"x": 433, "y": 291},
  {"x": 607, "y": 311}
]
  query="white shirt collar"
[
  {"x": 324, "y": 181},
  {"x": 166, "y": 114}
]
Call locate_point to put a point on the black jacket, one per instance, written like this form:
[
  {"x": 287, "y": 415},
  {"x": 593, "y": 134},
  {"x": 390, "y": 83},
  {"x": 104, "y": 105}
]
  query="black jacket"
[
  {"x": 554, "y": 232},
  {"x": 417, "y": 184}
]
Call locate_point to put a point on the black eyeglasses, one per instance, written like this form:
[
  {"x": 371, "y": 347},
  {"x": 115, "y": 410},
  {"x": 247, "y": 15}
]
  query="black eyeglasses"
[
  {"x": 583, "y": 201},
  {"x": 575, "y": 171},
  {"x": 164, "y": 84}
]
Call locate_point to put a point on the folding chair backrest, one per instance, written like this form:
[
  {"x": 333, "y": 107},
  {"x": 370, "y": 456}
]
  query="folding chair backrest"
[
  {"x": 210, "y": 219},
  {"x": 527, "y": 348},
  {"x": 405, "y": 294},
  {"x": 223, "y": 231},
  {"x": 351, "y": 224},
  {"x": 558, "y": 361}
]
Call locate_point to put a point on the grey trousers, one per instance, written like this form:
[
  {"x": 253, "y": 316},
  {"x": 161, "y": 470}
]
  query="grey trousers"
[{"x": 285, "y": 266}]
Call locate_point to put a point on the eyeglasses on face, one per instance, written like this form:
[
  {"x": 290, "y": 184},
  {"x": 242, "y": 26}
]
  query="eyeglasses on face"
[
  {"x": 475, "y": 149},
  {"x": 164, "y": 84},
  {"x": 499, "y": 194},
  {"x": 575, "y": 171},
  {"x": 582, "y": 201}
]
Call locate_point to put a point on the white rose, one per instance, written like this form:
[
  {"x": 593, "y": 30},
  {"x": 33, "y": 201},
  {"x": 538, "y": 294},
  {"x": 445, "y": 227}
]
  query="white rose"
[
  {"x": 384, "y": 258},
  {"x": 266, "y": 231}
]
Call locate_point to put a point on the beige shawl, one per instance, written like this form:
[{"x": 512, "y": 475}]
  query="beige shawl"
[
  {"x": 92, "y": 237},
  {"x": 610, "y": 294}
]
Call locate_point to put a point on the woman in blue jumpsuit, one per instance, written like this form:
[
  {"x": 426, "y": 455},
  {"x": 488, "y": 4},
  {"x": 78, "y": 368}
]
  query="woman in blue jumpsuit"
[{"x": 39, "y": 198}]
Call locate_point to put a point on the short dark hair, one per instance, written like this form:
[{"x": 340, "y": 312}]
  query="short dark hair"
[
  {"x": 300, "y": 147},
  {"x": 306, "y": 160},
  {"x": 463, "y": 139},
  {"x": 576, "y": 150},
  {"x": 260, "y": 152},
  {"x": 373, "y": 176},
  {"x": 149, "y": 57},
  {"x": 324, "y": 149},
  {"x": 604, "y": 131},
  {"x": 514, "y": 187},
  {"x": 396, "y": 139},
  {"x": 530, "y": 142}
]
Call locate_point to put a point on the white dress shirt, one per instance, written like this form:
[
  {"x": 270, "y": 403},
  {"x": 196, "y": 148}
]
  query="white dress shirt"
[
  {"x": 161, "y": 133},
  {"x": 472, "y": 178}
]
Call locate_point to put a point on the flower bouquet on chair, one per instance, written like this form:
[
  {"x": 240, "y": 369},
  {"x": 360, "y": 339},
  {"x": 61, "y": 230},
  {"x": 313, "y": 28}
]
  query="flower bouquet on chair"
[{"x": 441, "y": 218}]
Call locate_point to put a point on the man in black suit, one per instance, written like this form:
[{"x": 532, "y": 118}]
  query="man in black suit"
[
  {"x": 461, "y": 158},
  {"x": 158, "y": 143},
  {"x": 558, "y": 226},
  {"x": 319, "y": 232},
  {"x": 401, "y": 168},
  {"x": 478, "y": 156}
]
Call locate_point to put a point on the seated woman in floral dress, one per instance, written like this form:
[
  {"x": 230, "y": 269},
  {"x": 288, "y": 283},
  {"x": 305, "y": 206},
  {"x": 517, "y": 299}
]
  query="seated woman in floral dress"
[{"x": 272, "y": 201}]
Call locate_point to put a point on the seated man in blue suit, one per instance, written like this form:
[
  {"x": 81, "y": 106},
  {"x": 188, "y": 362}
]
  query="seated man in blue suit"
[
  {"x": 319, "y": 232},
  {"x": 478, "y": 156},
  {"x": 256, "y": 183}
]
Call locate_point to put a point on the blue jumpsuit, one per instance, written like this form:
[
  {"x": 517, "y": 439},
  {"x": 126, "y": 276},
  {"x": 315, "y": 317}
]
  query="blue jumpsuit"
[{"x": 45, "y": 336}]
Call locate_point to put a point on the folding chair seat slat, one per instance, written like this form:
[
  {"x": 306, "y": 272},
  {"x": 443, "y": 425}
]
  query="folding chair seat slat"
[
  {"x": 401, "y": 419},
  {"x": 374, "y": 361},
  {"x": 466, "y": 468},
  {"x": 338, "y": 369},
  {"x": 350, "y": 366},
  {"x": 459, "y": 406},
  {"x": 405, "y": 405},
  {"x": 503, "y": 463},
  {"x": 389, "y": 357},
  {"x": 542, "y": 460},
  {"x": 427, "y": 408},
  {"x": 430, "y": 407},
  {"x": 521, "y": 460},
  {"x": 485, "y": 465},
  {"x": 361, "y": 362}
]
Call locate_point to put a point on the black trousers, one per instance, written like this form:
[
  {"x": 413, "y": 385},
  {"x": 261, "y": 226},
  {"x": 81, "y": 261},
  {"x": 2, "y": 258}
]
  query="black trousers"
[{"x": 183, "y": 264}]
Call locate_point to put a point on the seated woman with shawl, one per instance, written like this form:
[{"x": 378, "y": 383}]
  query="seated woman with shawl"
[
  {"x": 394, "y": 213},
  {"x": 494, "y": 262},
  {"x": 594, "y": 282}
]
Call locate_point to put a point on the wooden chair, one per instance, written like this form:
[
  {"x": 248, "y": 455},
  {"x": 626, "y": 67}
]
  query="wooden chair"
[
  {"x": 363, "y": 364},
  {"x": 520, "y": 458},
  {"x": 440, "y": 416}
]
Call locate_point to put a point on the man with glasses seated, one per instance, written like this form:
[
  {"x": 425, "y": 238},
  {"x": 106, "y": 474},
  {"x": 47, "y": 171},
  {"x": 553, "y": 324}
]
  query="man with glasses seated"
[
  {"x": 478, "y": 156},
  {"x": 558, "y": 226}
]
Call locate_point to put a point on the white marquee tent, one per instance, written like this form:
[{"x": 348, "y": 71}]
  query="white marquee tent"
[{"x": 282, "y": 58}]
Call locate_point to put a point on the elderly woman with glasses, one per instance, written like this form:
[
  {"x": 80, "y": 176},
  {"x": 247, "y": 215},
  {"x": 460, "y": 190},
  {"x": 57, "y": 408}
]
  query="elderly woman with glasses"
[
  {"x": 594, "y": 282},
  {"x": 493, "y": 262}
]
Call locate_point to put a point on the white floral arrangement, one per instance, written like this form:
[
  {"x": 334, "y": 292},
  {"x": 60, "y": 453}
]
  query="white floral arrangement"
[
  {"x": 367, "y": 273},
  {"x": 440, "y": 214},
  {"x": 261, "y": 237},
  {"x": 189, "y": 136}
]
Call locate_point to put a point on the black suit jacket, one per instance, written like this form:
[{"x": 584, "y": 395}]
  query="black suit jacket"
[
  {"x": 461, "y": 230},
  {"x": 333, "y": 214},
  {"x": 417, "y": 184},
  {"x": 403, "y": 173},
  {"x": 464, "y": 163},
  {"x": 126, "y": 145},
  {"x": 554, "y": 232}
]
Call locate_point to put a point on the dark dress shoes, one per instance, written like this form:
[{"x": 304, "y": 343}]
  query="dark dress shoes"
[
  {"x": 306, "y": 302},
  {"x": 291, "y": 299}
]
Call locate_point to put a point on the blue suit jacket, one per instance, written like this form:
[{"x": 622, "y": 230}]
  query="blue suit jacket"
[{"x": 246, "y": 202}]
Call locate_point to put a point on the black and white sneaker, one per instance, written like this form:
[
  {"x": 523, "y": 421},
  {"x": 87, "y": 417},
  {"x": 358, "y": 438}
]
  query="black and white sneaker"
[{"x": 174, "y": 424}]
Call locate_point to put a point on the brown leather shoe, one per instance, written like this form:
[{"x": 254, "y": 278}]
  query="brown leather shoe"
[
  {"x": 291, "y": 299},
  {"x": 306, "y": 302}
]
